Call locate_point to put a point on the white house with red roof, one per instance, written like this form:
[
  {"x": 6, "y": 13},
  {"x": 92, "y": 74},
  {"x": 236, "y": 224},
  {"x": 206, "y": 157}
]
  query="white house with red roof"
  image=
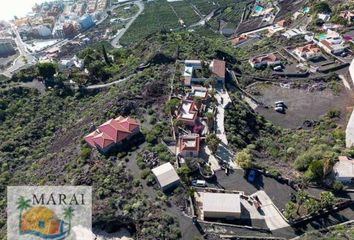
[
  {"x": 189, "y": 145},
  {"x": 190, "y": 66},
  {"x": 333, "y": 43},
  {"x": 308, "y": 52},
  {"x": 112, "y": 133},
  {"x": 264, "y": 60}
]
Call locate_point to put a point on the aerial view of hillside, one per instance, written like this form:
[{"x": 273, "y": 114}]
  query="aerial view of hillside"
[{"x": 177, "y": 119}]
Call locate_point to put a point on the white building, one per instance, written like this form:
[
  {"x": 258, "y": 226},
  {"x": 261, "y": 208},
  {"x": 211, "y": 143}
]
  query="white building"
[
  {"x": 349, "y": 132},
  {"x": 324, "y": 16},
  {"x": 221, "y": 205},
  {"x": 307, "y": 52},
  {"x": 344, "y": 170},
  {"x": 166, "y": 176},
  {"x": 333, "y": 43},
  {"x": 43, "y": 31}
]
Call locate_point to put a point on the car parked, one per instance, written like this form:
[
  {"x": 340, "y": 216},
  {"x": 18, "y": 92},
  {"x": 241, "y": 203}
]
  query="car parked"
[
  {"x": 251, "y": 176},
  {"x": 199, "y": 183}
]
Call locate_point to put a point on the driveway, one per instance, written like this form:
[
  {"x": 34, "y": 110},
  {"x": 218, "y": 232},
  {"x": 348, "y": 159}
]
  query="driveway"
[
  {"x": 223, "y": 99},
  {"x": 279, "y": 193}
]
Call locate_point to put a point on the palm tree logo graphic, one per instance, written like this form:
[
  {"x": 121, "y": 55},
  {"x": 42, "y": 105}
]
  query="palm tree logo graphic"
[
  {"x": 22, "y": 204},
  {"x": 43, "y": 222},
  {"x": 68, "y": 215}
]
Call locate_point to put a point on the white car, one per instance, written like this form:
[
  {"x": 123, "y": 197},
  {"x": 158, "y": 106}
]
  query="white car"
[
  {"x": 279, "y": 109},
  {"x": 199, "y": 183}
]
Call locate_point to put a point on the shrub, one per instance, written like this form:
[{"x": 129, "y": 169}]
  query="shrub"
[
  {"x": 144, "y": 173},
  {"x": 337, "y": 186},
  {"x": 85, "y": 153},
  {"x": 244, "y": 159}
]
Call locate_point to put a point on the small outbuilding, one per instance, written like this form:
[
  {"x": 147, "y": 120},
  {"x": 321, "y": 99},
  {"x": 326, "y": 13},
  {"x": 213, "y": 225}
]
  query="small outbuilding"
[
  {"x": 221, "y": 205},
  {"x": 344, "y": 170},
  {"x": 166, "y": 176}
]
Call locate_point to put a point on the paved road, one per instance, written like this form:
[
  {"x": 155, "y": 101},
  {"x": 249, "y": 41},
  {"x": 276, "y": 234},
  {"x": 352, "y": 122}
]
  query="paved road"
[
  {"x": 115, "y": 41},
  {"x": 202, "y": 21},
  {"x": 99, "y": 86},
  {"x": 23, "y": 60}
]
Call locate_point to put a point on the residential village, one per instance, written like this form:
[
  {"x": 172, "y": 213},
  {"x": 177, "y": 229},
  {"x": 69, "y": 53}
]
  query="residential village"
[{"x": 194, "y": 158}]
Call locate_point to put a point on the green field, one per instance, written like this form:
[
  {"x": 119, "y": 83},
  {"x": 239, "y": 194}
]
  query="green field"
[
  {"x": 185, "y": 12},
  {"x": 162, "y": 15},
  {"x": 159, "y": 15},
  {"x": 205, "y": 7},
  {"x": 156, "y": 16},
  {"x": 121, "y": 12}
]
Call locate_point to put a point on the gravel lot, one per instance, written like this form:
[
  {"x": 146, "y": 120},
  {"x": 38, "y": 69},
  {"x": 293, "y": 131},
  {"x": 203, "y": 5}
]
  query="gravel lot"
[{"x": 302, "y": 104}]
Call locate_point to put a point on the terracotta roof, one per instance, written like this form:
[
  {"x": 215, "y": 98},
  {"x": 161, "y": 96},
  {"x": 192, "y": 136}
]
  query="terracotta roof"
[
  {"x": 114, "y": 130},
  {"x": 283, "y": 23},
  {"x": 219, "y": 68},
  {"x": 327, "y": 44},
  {"x": 310, "y": 48},
  {"x": 103, "y": 140},
  {"x": 268, "y": 58},
  {"x": 237, "y": 40},
  {"x": 89, "y": 138},
  {"x": 129, "y": 123},
  {"x": 189, "y": 142}
]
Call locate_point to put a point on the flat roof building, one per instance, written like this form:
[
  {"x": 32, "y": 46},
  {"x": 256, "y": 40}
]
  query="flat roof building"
[
  {"x": 166, "y": 176},
  {"x": 188, "y": 145},
  {"x": 221, "y": 205}
]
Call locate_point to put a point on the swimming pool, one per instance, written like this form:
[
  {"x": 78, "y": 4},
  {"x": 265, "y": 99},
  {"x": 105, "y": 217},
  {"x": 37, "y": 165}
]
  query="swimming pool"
[
  {"x": 322, "y": 36},
  {"x": 258, "y": 9},
  {"x": 306, "y": 10}
]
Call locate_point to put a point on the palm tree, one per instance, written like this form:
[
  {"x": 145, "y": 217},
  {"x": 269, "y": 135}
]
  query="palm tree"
[
  {"x": 176, "y": 124},
  {"x": 68, "y": 215},
  {"x": 22, "y": 204}
]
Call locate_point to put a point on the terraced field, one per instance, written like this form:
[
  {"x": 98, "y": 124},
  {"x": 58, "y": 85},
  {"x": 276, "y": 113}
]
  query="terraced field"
[
  {"x": 185, "y": 12},
  {"x": 204, "y": 6},
  {"x": 162, "y": 15}
]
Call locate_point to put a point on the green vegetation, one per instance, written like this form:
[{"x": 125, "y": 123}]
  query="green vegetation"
[
  {"x": 306, "y": 204},
  {"x": 42, "y": 138},
  {"x": 213, "y": 142},
  {"x": 185, "y": 12},
  {"x": 337, "y": 232},
  {"x": 123, "y": 12},
  {"x": 244, "y": 159}
]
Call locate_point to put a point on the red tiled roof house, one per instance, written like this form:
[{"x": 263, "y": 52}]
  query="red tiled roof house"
[
  {"x": 264, "y": 60},
  {"x": 217, "y": 67},
  {"x": 189, "y": 145},
  {"x": 307, "y": 52},
  {"x": 112, "y": 133}
]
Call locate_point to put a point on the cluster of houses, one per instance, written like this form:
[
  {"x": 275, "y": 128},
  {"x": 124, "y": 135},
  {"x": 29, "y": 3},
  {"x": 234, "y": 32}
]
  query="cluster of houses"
[{"x": 188, "y": 113}]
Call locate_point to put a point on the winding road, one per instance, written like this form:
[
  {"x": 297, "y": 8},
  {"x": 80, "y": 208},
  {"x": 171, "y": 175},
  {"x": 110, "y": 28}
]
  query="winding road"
[{"x": 115, "y": 41}]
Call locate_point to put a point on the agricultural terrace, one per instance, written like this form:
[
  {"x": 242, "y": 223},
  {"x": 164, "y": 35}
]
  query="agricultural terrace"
[{"x": 162, "y": 15}]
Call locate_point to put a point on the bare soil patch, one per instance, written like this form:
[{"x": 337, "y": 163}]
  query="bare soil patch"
[{"x": 302, "y": 104}]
